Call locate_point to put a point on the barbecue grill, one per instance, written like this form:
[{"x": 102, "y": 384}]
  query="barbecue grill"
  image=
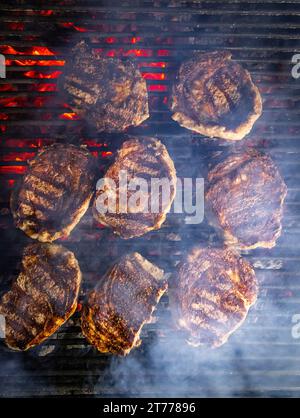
[{"x": 262, "y": 357}]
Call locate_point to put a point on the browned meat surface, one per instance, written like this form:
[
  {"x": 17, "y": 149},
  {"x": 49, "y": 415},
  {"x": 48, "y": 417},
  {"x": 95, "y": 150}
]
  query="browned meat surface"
[
  {"x": 108, "y": 92},
  {"x": 124, "y": 300},
  {"x": 43, "y": 296},
  {"x": 215, "y": 97},
  {"x": 245, "y": 198},
  {"x": 144, "y": 158},
  {"x": 213, "y": 291},
  {"x": 54, "y": 193}
]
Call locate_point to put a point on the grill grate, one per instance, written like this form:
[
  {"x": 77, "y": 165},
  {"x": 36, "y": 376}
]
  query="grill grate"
[{"x": 262, "y": 358}]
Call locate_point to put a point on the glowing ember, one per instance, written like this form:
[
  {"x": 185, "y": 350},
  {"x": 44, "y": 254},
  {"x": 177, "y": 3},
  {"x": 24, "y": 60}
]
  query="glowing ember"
[
  {"x": 39, "y": 50},
  {"x": 153, "y": 64},
  {"x": 45, "y": 12},
  {"x": 138, "y": 52},
  {"x": 44, "y": 87},
  {"x": 157, "y": 87},
  {"x": 154, "y": 76},
  {"x": 111, "y": 40},
  {"x": 12, "y": 169},
  {"x": 10, "y": 62},
  {"x": 71, "y": 25},
  {"x": 35, "y": 50},
  {"x": 91, "y": 143},
  {"x": 7, "y": 87},
  {"x": 3, "y": 116},
  {"x": 27, "y": 143},
  {"x": 17, "y": 156},
  {"x": 6, "y": 49},
  {"x": 105, "y": 154},
  {"x": 135, "y": 39},
  {"x": 37, "y": 74},
  {"x": 12, "y": 102},
  {"x": 69, "y": 116},
  {"x": 163, "y": 53},
  {"x": 16, "y": 26}
]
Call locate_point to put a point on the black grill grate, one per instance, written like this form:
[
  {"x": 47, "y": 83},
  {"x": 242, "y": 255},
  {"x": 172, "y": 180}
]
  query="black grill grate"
[{"x": 262, "y": 358}]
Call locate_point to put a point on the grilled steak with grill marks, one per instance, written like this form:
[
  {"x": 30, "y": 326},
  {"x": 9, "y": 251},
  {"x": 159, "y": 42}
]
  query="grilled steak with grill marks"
[
  {"x": 123, "y": 301},
  {"x": 215, "y": 97},
  {"x": 145, "y": 158},
  {"x": 213, "y": 291},
  {"x": 245, "y": 199},
  {"x": 108, "y": 92},
  {"x": 54, "y": 193},
  {"x": 43, "y": 296}
]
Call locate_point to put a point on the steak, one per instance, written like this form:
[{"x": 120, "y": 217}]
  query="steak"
[
  {"x": 108, "y": 92},
  {"x": 213, "y": 291},
  {"x": 215, "y": 97},
  {"x": 43, "y": 296},
  {"x": 147, "y": 159},
  {"x": 124, "y": 300},
  {"x": 245, "y": 198},
  {"x": 54, "y": 193}
]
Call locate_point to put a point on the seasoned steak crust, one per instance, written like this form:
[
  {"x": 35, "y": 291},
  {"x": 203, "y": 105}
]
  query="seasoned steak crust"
[
  {"x": 109, "y": 92},
  {"x": 124, "y": 300},
  {"x": 43, "y": 296},
  {"x": 54, "y": 193},
  {"x": 216, "y": 97},
  {"x": 145, "y": 158},
  {"x": 245, "y": 198},
  {"x": 213, "y": 291}
]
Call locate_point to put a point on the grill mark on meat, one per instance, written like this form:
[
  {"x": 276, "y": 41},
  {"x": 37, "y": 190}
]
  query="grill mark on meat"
[
  {"x": 212, "y": 293},
  {"x": 54, "y": 193},
  {"x": 250, "y": 214},
  {"x": 121, "y": 304},
  {"x": 215, "y": 97},
  {"x": 108, "y": 92},
  {"x": 43, "y": 296},
  {"x": 144, "y": 158}
]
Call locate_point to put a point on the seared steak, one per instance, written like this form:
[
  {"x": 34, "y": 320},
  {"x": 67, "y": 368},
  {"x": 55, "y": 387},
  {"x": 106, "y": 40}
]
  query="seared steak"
[
  {"x": 213, "y": 291},
  {"x": 54, "y": 193},
  {"x": 108, "y": 92},
  {"x": 43, "y": 296},
  {"x": 215, "y": 97},
  {"x": 121, "y": 304},
  {"x": 147, "y": 159},
  {"x": 245, "y": 198}
]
